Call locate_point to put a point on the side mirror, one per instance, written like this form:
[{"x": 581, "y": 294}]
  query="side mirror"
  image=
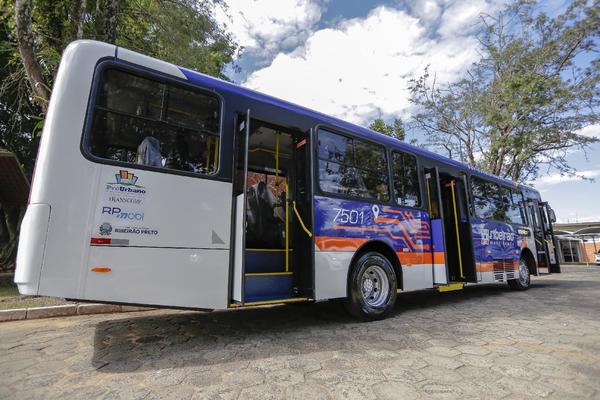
[{"x": 552, "y": 215}]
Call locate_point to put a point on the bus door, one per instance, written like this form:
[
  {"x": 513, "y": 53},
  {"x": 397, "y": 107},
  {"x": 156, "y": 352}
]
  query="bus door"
[
  {"x": 242, "y": 135},
  {"x": 547, "y": 261},
  {"x": 302, "y": 226},
  {"x": 436, "y": 215},
  {"x": 548, "y": 219},
  {"x": 459, "y": 240},
  {"x": 273, "y": 215}
]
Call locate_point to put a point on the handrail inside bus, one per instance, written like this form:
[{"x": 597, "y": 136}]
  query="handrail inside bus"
[{"x": 309, "y": 233}]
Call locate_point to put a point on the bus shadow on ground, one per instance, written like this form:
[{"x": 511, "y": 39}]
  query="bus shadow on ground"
[{"x": 236, "y": 336}]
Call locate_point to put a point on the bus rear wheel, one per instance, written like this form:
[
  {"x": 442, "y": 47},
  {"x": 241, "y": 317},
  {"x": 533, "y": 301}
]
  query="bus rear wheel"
[
  {"x": 523, "y": 281},
  {"x": 371, "y": 287}
]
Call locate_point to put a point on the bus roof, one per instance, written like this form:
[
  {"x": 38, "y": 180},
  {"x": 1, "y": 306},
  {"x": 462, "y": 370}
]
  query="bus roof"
[{"x": 206, "y": 80}]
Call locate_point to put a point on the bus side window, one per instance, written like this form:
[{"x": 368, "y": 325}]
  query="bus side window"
[
  {"x": 511, "y": 205},
  {"x": 486, "y": 200},
  {"x": 519, "y": 204},
  {"x": 352, "y": 167},
  {"x": 533, "y": 215},
  {"x": 157, "y": 124},
  {"x": 406, "y": 179}
]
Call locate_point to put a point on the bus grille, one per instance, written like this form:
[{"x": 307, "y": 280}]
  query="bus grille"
[{"x": 501, "y": 267}]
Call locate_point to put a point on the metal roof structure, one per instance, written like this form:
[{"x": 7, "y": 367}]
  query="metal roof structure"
[{"x": 578, "y": 229}]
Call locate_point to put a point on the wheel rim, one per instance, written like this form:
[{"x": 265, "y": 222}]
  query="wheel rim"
[
  {"x": 375, "y": 286},
  {"x": 523, "y": 273}
]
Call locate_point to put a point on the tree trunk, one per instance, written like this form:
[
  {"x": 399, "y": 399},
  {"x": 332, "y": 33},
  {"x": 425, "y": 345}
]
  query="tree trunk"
[
  {"x": 77, "y": 19},
  {"x": 110, "y": 20},
  {"x": 26, "y": 44},
  {"x": 10, "y": 220}
]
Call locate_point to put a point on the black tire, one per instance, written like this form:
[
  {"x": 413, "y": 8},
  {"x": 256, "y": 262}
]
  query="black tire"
[
  {"x": 372, "y": 287},
  {"x": 523, "y": 281}
]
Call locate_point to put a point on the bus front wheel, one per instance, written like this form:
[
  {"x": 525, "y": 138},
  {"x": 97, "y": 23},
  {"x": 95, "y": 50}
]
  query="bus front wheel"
[
  {"x": 371, "y": 287},
  {"x": 523, "y": 280}
]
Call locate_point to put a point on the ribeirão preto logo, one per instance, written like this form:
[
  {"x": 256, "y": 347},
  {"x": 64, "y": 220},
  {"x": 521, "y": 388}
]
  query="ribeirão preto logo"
[{"x": 106, "y": 229}]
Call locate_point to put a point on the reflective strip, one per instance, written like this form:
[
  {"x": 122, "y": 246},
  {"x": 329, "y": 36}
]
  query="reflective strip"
[
  {"x": 101, "y": 269},
  {"x": 108, "y": 241}
]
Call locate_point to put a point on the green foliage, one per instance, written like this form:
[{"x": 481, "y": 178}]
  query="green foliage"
[
  {"x": 395, "y": 130},
  {"x": 182, "y": 32},
  {"x": 179, "y": 31},
  {"x": 520, "y": 107}
]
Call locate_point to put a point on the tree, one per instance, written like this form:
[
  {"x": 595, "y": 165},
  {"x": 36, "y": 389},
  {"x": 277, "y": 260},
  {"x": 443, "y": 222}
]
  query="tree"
[
  {"x": 521, "y": 106},
  {"x": 395, "y": 130},
  {"x": 179, "y": 31},
  {"x": 33, "y": 36}
]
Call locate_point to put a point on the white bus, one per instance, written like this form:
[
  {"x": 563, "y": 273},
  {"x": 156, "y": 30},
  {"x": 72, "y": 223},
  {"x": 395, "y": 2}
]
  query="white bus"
[{"x": 157, "y": 185}]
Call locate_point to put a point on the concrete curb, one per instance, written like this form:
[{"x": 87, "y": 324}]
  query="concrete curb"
[{"x": 66, "y": 310}]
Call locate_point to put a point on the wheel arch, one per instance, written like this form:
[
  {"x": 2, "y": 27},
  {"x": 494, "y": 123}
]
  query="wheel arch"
[
  {"x": 528, "y": 256},
  {"x": 384, "y": 249}
]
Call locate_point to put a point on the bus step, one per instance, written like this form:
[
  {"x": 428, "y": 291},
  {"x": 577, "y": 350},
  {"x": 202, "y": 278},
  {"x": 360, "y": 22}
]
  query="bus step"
[
  {"x": 261, "y": 301},
  {"x": 264, "y": 260},
  {"x": 450, "y": 287},
  {"x": 268, "y": 286}
]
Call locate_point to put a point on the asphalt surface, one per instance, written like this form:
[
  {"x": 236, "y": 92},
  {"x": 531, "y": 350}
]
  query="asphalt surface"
[{"x": 483, "y": 342}]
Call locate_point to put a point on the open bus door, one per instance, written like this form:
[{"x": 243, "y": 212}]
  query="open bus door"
[
  {"x": 436, "y": 215},
  {"x": 450, "y": 228},
  {"x": 548, "y": 217},
  {"x": 547, "y": 260},
  {"x": 242, "y": 136},
  {"x": 273, "y": 216}
]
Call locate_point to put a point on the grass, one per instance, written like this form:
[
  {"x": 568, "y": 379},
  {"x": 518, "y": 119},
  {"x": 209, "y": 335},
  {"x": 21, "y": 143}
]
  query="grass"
[{"x": 10, "y": 298}]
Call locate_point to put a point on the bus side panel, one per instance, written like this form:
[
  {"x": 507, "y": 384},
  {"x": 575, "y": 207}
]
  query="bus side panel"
[
  {"x": 331, "y": 273},
  {"x": 164, "y": 237},
  {"x": 62, "y": 179},
  {"x": 527, "y": 241},
  {"x": 497, "y": 250},
  {"x": 159, "y": 276},
  {"x": 343, "y": 226}
]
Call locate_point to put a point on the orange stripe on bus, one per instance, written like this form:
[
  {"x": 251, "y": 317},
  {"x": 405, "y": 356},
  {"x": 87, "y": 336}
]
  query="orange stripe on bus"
[
  {"x": 439, "y": 257},
  {"x": 101, "y": 269},
  {"x": 407, "y": 259},
  {"x": 327, "y": 243},
  {"x": 488, "y": 266},
  {"x": 338, "y": 244}
]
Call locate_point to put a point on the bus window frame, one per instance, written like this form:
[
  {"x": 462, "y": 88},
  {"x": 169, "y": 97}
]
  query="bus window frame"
[
  {"x": 161, "y": 77},
  {"x": 317, "y": 176},
  {"x": 343, "y": 132},
  {"x": 420, "y": 177},
  {"x": 473, "y": 215},
  {"x": 524, "y": 214}
]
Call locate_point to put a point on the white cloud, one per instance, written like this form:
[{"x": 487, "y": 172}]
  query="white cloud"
[
  {"x": 592, "y": 131},
  {"x": 269, "y": 26},
  {"x": 554, "y": 179},
  {"x": 360, "y": 69},
  {"x": 426, "y": 10},
  {"x": 463, "y": 17}
]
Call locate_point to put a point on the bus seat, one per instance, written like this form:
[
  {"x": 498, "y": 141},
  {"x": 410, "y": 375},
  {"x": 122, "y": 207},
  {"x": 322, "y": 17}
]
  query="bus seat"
[{"x": 263, "y": 228}]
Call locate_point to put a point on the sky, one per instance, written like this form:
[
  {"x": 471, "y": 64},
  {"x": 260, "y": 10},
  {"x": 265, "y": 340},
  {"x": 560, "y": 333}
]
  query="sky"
[{"x": 353, "y": 59}]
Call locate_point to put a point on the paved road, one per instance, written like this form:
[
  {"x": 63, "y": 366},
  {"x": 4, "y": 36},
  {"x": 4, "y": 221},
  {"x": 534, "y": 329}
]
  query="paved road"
[{"x": 484, "y": 342}]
